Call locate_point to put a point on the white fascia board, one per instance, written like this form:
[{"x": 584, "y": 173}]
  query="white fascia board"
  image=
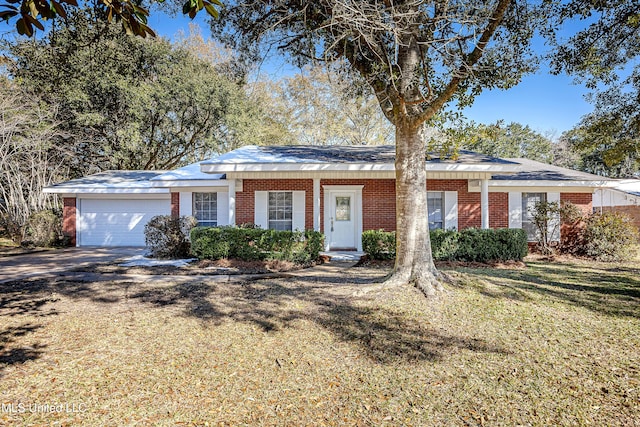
[
  {"x": 550, "y": 183},
  {"x": 104, "y": 190},
  {"x": 191, "y": 183},
  {"x": 367, "y": 167}
]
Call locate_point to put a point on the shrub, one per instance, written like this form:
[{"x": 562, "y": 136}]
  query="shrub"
[
  {"x": 379, "y": 244},
  {"x": 609, "y": 236},
  {"x": 470, "y": 244},
  {"x": 168, "y": 237},
  {"x": 252, "y": 244},
  {"x": 547, "y": 219},
  {"x": 44, "y": 229}
]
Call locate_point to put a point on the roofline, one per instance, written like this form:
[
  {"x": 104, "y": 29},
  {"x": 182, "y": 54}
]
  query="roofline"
[
  {"x": 212, "y": 167},
  {"x": 104, "y": 190},
  {"x": 190, "y": 183},
  {"x": 551, "y": 183}
]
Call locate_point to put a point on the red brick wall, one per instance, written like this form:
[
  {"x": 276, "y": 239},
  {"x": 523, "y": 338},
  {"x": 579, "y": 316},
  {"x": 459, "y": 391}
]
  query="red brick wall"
[
  {"x": 175, "y": 205},
  {"x": 584, "y": 202},
  {"x": 469, "y": 213},
  {"x": 379, "y": 201},
  {"x": 245, "y": 199},
  {"x": 498, "y": 210},
  {"x": 69, "y": 218}
]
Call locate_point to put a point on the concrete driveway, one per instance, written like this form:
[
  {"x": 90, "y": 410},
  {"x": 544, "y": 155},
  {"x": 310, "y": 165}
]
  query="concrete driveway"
[{"x": 18, "y": 267}]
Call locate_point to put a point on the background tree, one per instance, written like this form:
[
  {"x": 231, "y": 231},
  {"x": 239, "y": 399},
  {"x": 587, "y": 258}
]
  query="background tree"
[
  {"x": 133, "y": 103},
  {"x": 30, "y": 158},
  {"x": 415, "y": 56},
  {"x": 30, "y": 15},
  {"x": 604, "y": 55},
  {"x": 317, "y": 106},
  {"x": 511, "y": 140}
]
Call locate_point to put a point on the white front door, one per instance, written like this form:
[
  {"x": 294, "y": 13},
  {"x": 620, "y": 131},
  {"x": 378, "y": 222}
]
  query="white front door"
[{"x": 342, "y": 220}]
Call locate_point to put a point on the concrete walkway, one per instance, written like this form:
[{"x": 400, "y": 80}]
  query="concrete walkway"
[{"x": 19, "y": 267}]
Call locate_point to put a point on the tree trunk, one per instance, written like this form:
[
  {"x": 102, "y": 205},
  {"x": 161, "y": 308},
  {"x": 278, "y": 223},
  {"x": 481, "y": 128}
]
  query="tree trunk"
[{"x": 414, "y": 261}]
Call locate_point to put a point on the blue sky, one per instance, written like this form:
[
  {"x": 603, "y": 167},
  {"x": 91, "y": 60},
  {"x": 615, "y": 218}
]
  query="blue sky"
[{"x": 548, "y": 104}]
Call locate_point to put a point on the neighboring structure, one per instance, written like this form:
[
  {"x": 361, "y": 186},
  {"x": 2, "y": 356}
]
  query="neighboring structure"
[
  {"x": 624, "y": 198},
  {"x": 339, "y": 190}
]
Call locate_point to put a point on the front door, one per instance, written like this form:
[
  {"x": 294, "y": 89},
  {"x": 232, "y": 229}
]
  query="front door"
[{"x": 342, "y": 221}]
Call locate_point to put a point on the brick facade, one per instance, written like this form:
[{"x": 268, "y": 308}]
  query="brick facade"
[
  {"x": 245, "y": 199},
  {"x": 175, "y": 205},
  {"x": 498, "y": 210},
  {"x": 69, "y": 219},
  {"x": 379, "y": 203},
  {"x": 583, "y": 201}
]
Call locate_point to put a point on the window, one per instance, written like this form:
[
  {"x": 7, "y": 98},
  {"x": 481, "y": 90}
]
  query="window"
[
  {"x": 434, "y": 209},
  {"x": 205, "y": 209},
  {"x": 281, "y": 210},
  {"x": 529, "y": 201}
]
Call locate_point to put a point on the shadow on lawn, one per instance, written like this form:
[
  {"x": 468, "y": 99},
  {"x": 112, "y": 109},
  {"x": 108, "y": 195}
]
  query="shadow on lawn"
[
  {"x": 613, "y": 291},
  {"x": 380, "y": 332},
  {"x": 11, "y": 354}
]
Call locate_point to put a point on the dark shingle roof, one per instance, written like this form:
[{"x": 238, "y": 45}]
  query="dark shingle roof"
[
  {"x": 536, "y": 171},
  {"x": 368, "y": 154},
  {"x": 112, "y": 178}
]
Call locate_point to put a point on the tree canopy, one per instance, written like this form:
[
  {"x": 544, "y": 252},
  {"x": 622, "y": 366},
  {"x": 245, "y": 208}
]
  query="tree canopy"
[
  {"x": 604, "y": 54},
  {"x": 31, "y": 15},
  {"x": 133, "y": 103},
  {"x": 415, "y": 57}
]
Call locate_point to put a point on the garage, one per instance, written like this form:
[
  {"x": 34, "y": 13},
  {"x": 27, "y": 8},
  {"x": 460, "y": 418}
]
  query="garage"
[{"x": 117, "y": 221}]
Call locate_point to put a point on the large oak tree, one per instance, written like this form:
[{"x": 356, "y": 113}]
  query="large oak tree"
[{"x": 416, "y": 56}]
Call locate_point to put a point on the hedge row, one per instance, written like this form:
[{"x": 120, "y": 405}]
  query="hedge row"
[
  {"x": 470, "y": 244},
  {"x": 253, "y": 244}
]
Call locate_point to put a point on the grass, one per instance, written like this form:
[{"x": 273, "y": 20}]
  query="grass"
[{"x": 549, "y": 344}]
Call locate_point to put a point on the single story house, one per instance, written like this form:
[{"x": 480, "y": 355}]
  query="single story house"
[{"x": 338, "y": 190}]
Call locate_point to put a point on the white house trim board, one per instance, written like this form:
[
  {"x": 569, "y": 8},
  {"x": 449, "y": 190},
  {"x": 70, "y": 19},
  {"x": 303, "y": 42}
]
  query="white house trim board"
[
  {"x": 360, "y": 167},
  {"x": 356, "y": 192},
  {"x": 515, "y": 209},
  {"x": 316, "y": 204},
  {"x": 450, "y": 210}
]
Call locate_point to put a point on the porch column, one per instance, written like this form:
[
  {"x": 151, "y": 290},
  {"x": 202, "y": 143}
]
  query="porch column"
[
  {"x": 232, "y": 202},
  {"x": 484, "y": 202},
  {"x": 316, "y": 204}
]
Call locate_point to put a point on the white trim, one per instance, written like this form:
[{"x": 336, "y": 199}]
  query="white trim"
[
  {"x": 555, "y": 237},
  {"x": 190, "y": 183},
  {"x": 549, "y": 183},
  {"x": 223, "y": 202},
  {"x": 104, "y": 190},
  {"x": 515, "y": 209},
  {"x": 261, "y": 209},
  {"x": 212, "y": 167},
  {"x": 231, "y": 208},
  {"x": 186, "y": 203},
  {"x": 357, "y": 191},
  {"x": 316, "y": 204},
  {"x": 450, "y": 210},
  {"x": 484, "y": 203},
  {"x": 143, "y": 196},
  {"x": 299, "y": 211}
]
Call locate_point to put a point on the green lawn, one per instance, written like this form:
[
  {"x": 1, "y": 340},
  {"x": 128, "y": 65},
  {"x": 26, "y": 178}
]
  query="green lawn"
[{"x": 552, "y": 344}]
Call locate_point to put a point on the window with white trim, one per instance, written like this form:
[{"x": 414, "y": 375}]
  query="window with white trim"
[
  {"x": 529, "y": 201},
  {"x": 434, "y": 209},
  {"x": 205, "y": 209},
  {"x": 280, "y": 210}
]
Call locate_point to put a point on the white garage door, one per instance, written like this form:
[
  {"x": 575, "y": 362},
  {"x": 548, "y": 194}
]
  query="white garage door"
[{"x": 116, "y": 222}]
